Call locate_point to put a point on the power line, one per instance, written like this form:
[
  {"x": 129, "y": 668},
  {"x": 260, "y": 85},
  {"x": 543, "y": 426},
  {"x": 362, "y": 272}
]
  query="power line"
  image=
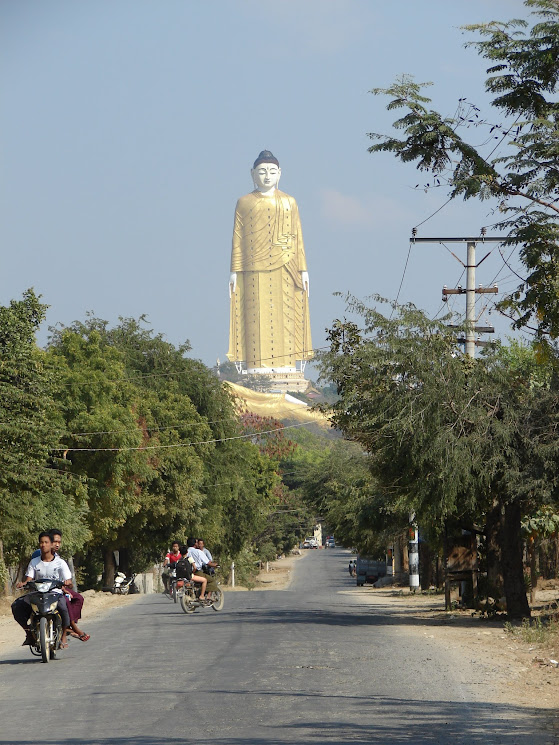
[
  {"x": 401, "y": 281},
  {"x": 180, "y": 444},
  {"x": 434, "y": 213}
]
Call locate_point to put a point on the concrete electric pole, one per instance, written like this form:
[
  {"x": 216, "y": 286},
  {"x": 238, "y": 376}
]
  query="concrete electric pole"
[
  {"x": 471, "y": 290},
  {"x": 470, "y": 342}
]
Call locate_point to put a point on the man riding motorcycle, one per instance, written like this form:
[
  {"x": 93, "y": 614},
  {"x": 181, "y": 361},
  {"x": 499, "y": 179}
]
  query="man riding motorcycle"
[
  {"x": 46, "y": 566},
  {"x": 74, "y": 600},
  {"x": 171, "y": 558}
]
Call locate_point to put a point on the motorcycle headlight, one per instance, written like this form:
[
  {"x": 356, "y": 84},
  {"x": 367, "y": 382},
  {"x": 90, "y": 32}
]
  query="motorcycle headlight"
[
  {"x": 42, "y": 586},
  {"x": 35, "y": 607}
]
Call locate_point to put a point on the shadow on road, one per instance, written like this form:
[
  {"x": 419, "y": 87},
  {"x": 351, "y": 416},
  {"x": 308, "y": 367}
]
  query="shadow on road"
[
  {"x": 348, "y": 615},
  {"x": 393, "y": 722},
  {"x": 28, "y": 661}
]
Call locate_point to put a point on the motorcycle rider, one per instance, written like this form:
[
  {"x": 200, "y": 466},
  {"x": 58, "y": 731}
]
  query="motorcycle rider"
[
  {"x": 201, "y": 546},
  {"x": 45, "y": 566},
  {"x": 171, "y": 558}
]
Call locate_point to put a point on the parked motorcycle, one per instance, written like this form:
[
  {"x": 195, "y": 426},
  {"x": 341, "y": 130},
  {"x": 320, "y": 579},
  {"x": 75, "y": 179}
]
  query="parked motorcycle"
[
  {"x": 46, "y": 624},
  {"x": 124, "y": 585},
  {"x": 190, "y": 598}
]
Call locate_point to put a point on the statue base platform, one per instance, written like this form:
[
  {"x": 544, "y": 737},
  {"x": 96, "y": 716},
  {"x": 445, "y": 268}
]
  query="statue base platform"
[{"x": 282, "y": 382}]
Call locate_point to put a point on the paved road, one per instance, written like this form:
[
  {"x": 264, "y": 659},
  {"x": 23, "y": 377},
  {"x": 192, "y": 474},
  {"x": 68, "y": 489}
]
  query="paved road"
[{"x": 308, "y": 665}]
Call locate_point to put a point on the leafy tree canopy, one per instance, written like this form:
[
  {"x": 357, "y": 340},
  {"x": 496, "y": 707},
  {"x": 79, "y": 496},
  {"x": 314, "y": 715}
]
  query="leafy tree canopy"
[
  {"x": 517, "y": 165},
  {"x": 447, "y": 436},
  {"x": 35, "y": 492}
]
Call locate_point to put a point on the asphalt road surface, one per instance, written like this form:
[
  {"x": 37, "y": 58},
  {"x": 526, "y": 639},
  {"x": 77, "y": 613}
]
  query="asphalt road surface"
[{"x": 306, "y": 665}]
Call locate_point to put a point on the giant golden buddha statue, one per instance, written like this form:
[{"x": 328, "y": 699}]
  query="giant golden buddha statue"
[{"x": 270, "y": 329}]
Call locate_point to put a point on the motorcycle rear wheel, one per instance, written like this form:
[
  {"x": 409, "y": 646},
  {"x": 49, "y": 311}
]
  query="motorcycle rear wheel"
[
  {"x": 218, "y": 599},
  {"x": 45, "y": 638},
  {"x": 187, "y": 604}
]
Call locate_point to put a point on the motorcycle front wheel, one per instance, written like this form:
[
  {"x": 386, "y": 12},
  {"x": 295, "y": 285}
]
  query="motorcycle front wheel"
[
  {"x": 186, "y": 604},
  {"x": 45, "y": 638},
  {"x": 218, "y": 599},
  {"x": 174, "y": 592}
]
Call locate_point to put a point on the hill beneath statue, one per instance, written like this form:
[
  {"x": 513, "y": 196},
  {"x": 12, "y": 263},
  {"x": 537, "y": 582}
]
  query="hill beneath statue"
[{"x": 281, "y": 406}]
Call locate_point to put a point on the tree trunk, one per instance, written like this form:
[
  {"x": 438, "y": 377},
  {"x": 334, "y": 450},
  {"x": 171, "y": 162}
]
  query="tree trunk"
[
  {"x": 511, "y": 559},
  {"x": 124, "y": 561},
  {"x": 493, "y": 529},
  {"x": 533, "y": 568},
  {"x": 108, "y": 567},
  {"x": 425, "y": 565},
  {"x": 6, "y": 586}
]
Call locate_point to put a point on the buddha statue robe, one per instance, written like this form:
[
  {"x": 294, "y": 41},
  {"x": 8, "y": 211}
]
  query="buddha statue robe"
[{"x": 270, "y": 324}]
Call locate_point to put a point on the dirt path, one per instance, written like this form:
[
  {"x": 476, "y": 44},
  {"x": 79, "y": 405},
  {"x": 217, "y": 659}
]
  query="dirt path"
[{"x": 277, "y": 577}]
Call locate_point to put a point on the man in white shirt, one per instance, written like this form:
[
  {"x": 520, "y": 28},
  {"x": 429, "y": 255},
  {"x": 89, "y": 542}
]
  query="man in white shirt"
[
  {"x": 201, "y": 546},
  {"x": 46, "y": 566}
]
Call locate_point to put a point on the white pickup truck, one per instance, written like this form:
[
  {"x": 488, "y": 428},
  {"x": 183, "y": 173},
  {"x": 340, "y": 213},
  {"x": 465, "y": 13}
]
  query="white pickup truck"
[{"x": 310, "y": 543}]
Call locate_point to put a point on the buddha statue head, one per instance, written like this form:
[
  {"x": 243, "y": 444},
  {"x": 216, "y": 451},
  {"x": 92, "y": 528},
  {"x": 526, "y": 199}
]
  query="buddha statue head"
[{"x": 266, "y": 172}]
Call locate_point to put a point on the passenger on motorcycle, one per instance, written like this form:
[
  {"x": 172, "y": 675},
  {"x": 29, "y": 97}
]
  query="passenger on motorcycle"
[
  {"x": 197, "y": 559},
  {"x": 74, "y": 599},
  {"x": 201, "y": 546},
  {"x": 172, "y": 557},
  {"x": 45, "y": 566},
  {"x": 201, "y": 563}
]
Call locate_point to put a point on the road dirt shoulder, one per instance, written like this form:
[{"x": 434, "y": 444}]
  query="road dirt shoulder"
[{"x": 277, "y": 576}]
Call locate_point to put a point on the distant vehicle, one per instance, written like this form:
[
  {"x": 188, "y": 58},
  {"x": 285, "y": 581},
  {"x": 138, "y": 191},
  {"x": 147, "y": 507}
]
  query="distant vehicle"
[
  {"x": 331, "y": 543},
  {"x": 310, "y": 543},
  {"x": 369, "y": 570}
]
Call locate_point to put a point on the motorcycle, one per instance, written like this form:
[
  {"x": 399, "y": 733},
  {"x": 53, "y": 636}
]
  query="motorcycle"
[
  {"x": 46, "y": 624},
  {"x": 124, "y": 585},
  {"x": 190, "y": 598},
  {"x": 175, "y": 584}
]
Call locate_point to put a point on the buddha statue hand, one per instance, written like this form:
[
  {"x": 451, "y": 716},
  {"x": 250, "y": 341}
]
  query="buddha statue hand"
[
  {"x": 305, "y": 282},
  {"x": 232, "y": 283}
]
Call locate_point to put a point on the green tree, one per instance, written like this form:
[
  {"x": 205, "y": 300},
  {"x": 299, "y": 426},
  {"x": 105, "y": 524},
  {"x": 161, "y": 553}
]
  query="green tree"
[
  {"x": 178, "y": 450},
  {"x": 447, "y": 436},
  {"x": 36, "y": 492},
  {"x": 344, "y": 493},
  {"x": 103, "y": 434},
  {"x": 235, "y": 488},
  {"x": 517, "y": 163}
]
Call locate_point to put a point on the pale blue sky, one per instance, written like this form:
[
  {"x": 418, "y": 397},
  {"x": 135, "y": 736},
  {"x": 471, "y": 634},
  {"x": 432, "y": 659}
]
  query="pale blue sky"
[{"x": 129, "y": 128}]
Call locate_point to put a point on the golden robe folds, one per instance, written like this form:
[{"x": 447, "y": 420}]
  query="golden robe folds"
[{"x": 270, "y": 324}]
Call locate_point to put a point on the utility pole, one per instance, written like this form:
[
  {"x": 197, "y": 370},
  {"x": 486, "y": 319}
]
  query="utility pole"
[
  {"x": 470, "y": 342},
  {"x": 471, "y": 290},
  {"x": 413, "y": 554}
]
